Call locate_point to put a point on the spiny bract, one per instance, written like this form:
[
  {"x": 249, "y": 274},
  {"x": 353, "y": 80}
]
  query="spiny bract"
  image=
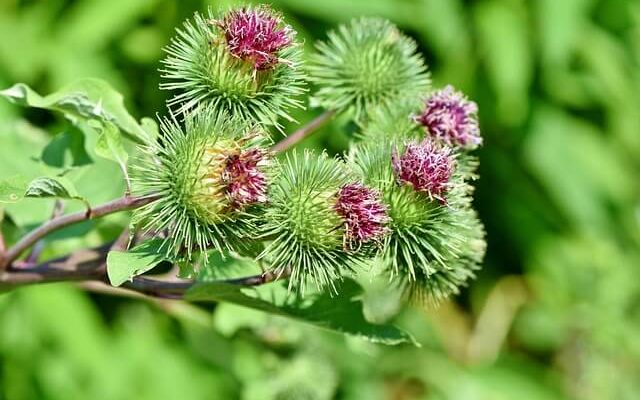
[
  {"x": 207, "y": 177},
  {"x": 306, "y": 231},
  {"x": 245, "y": 62},
  {"x": 366, "y": 63}
]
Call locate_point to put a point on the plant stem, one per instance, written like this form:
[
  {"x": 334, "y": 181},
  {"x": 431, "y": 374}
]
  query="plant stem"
[
  {"x": 122, "y": 204},
  {"x": 86, "y": 264},
  {"x": 89, "y": 265},
  {"x": 303, "y": 132}
]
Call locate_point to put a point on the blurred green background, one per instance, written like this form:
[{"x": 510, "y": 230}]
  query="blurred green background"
[{"x": 555, "y": 312}]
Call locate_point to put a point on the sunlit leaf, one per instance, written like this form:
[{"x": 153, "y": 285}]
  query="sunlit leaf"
[
  {"x": 66, "y": 149},
  {"x": 85, "y": 99},
  {"x": 110, "y": 146},
  {"x": 59, "y": 188},
  {"x": 124, "y": 265},
  {"x": 341, "y": 313}
]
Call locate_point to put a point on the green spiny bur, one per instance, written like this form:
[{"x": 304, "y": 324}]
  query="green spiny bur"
[
  {"x": 364, "y": 64},
  {"x": 307, "y": 235},
  {"x": 201, "y": 69},
  {"x": 187, "y": 171}
]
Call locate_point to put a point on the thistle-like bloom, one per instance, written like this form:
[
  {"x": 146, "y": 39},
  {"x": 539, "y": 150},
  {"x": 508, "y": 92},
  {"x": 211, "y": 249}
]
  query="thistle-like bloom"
[
  {"x": 245, "y": 182},
  {"x": 451, "y": 117},
  {"x": 256, "y": 35},
  {"x": 432, "y": 249},
  {"x": 245, "y": 63},
  {"x": 306, "y": 233},
  {"x": 206, "y": 176},
  {"x": 426, "y": 166},
  {"x": 364, "y": 214}
]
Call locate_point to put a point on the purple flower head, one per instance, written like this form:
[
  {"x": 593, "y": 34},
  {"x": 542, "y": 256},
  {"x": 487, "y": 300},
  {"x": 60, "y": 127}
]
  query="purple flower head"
[
  {"x": 255, "y": 35},
  {"x": 363, "y": 213},
  {"x": 427, "y": 166},
  {"x": 449, "y": 116},
  {"x": 245, "y": 183}
]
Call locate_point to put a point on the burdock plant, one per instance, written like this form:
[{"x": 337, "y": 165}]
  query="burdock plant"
[
  {"x": 245, "y": 61},
  {"x": 209, "y": 189},
  {"x": 208, "y": 176}
]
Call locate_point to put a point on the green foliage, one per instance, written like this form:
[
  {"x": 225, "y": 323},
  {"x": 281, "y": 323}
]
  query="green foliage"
[
  {"x": 12, "y": 189},
  {"x": 556, "y": 82},
  {"x": 124, "y": 265},
  {"x": 59, "y": 188},
  {"x": 82, "y": 100},
  {"x": 341, "y": 313},
  {"x": 110, "y": 146},
  {"x": 66, "y": 150}
]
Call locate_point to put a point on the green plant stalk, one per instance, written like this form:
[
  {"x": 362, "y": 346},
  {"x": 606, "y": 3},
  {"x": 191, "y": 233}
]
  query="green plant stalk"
[
  {"x": 90, "y": 265},
  {"x": 303, "y": 132},
  {"x": 122, "y": 204}
]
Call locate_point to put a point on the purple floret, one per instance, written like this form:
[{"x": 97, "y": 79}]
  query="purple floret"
[{"x": 450, "y": 117}]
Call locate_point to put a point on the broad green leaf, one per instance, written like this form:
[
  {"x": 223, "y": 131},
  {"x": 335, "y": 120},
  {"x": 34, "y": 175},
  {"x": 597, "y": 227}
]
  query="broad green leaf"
[
  {"x": 12, "y": 189},
  {"x": 60, "y": 188},
  {"x": 66, "y": 149},
  {"x": 109, "y": 146},
  {"x": 85, "y": 99},
  {"x": 124, "y": 265},
  {"x": 341, "y": 313}
]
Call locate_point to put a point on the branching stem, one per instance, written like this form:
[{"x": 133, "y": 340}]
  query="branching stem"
[
  {"x": 303, "y": 132},
  {"x": 122, "y": 204},
  {"x": 90, "y": 265}
]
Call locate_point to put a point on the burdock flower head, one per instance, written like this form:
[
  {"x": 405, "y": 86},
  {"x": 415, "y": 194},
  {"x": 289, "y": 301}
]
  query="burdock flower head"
[
  {"x": 244, "y": 62},
  {"x": 305, "y": 226},
  {"x": 435, "y": 240},
  {"x": 245, "y": 182},
  {"x": 363, "y": 213},
  {"x": 207, "y": 177},
  {"x": 256, "y": 35},
  {"x": 450, "y": 117},
  {"x": 426, "y": 166}
]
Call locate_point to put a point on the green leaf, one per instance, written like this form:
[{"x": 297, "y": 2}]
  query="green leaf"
[
  {"x": 66, "y": 149},
  {"x": 60, "y": 188},
  {"x": 12, "y": 189},
  {"x": 83, "y": 100},
  {"x": 124, "y": 265},
  {"x": 109, "y": 146},
  {"x": 341, "y": 313},
  {"x": 47, "y": 187}
]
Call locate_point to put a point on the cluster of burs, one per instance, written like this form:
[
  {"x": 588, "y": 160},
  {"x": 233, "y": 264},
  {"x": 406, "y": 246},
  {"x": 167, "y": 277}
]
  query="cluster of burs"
[{"x": 398, "y": 202}]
